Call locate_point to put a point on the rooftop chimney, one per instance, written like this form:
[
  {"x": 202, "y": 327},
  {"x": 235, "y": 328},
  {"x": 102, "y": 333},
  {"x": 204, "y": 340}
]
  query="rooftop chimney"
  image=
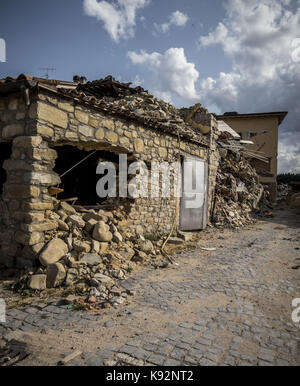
[{"x": 76, "y": 79}]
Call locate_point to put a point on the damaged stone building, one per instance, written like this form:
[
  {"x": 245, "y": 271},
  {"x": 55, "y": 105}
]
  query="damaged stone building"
[
  {"x": 47, "y": 127},
  {"x": 260, "y": 130}
]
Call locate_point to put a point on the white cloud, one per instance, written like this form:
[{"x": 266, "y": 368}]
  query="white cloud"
[
  {"x": 118, "y": 17},
  {"x": 137, "y": 81},
  {"x": 289, "y": 154},
  {"x": 177, "y": 19},
  {"x": 257, "y": 37},
  {"x": 174, "y": 75}
]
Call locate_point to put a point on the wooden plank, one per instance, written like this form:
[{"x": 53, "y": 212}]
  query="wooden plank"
[
  {"x": 70, "y": 357},
  {"x": 53, "y": 191},
  {"x": 70, "y": 199}
]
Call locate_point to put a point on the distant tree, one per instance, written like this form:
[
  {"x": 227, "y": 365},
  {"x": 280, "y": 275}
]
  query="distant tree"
[{"x": 287, "y": 178}]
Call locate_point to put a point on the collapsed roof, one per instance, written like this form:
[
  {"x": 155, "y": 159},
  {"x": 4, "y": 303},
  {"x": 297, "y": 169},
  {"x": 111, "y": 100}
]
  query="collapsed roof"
[{"x": 114, "y": 98}]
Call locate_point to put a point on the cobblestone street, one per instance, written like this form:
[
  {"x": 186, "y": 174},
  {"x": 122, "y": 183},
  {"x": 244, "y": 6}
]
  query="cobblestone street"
[{"x": 231, "y": 306}]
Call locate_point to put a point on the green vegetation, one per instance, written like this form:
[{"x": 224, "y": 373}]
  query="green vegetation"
[
  {"x": 152, "y": 237},
  {"x": 129, "y": 269},
  {"x": 286, "y": 178}
]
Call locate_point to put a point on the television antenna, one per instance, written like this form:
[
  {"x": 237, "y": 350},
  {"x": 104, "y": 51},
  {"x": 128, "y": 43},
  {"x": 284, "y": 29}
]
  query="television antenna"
[{"x": 47, "y": 70}]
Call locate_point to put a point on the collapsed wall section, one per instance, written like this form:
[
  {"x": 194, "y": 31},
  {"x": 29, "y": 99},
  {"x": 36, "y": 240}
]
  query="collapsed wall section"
[{"x": 238, "y": 191}]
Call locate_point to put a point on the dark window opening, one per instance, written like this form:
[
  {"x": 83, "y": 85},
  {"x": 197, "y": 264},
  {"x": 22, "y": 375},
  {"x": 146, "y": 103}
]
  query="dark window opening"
[
  {"x": 5, "y": 153},
  {"x": 81, "y": 181}
]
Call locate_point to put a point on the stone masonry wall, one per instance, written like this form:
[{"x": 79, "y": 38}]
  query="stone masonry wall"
[
  {"x": 51, "y": 121},
  {"x": 22, "y": 184},
  {"x": 214, "y": 159}
]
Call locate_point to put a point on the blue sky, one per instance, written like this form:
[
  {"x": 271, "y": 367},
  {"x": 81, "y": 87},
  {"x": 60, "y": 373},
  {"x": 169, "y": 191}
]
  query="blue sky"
[
  {"x": 231, "y": 55},
  {"x": 58, "y": 34}
]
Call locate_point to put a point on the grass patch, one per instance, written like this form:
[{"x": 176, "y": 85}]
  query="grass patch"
[{"x": 152, "y": 237}]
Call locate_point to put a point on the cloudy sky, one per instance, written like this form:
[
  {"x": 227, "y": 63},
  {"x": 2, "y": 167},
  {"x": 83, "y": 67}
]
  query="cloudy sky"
[{"x": 230, "y": 55}]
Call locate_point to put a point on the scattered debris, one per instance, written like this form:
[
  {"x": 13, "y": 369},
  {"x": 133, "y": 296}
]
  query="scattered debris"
[
  {"x": 282, "y": 192},
  {"x": 69, "y": 358},
  {"x": 12, "y": 352},
  {"x": 296, "y": 267},
  {"x": 238, "y": 191}
]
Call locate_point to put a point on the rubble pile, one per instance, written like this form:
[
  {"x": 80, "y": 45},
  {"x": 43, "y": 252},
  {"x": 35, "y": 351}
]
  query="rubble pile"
[
  {"x": 136, "y": 100},
  {"x": 134, "y": 103},
  {"x": 289, "y": 194},
  {"x": 238, "y": 191},
  {"x": 90, "y": 252},
  {"x": 147, "y": 105},
  {"x": 283, "y": 191}
]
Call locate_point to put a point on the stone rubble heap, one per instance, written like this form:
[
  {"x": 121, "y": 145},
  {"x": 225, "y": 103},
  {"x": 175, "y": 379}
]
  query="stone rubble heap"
[
  {"x": 283, "y": 191},
  {"x": 134, "y": 103},
  {"x": 136, "y": 100},
  {"x": 89, "y": 253},
  {"x": 238, "y": 191},
  {"x": 147, "y": 105}
]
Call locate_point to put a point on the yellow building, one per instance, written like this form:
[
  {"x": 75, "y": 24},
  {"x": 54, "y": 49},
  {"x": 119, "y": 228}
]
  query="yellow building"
[{"x": 262, "y": 129}]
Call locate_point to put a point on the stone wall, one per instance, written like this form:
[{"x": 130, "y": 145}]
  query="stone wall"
[
  {"x": 15, "y": 119},
  {"x": 53, "y": 120},
  {"x": 214, "y": 160},
  {"x": 16, "y": 126}
]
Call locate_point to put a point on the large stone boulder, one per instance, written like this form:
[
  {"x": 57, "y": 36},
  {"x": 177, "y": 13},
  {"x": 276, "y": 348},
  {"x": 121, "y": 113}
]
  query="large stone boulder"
[
  {"x": 117, "y": 238},
  {"x": 81, "y": 246},
  {"x": 91, "y": 259},
  {"x": 126, "y": 252},
  {"x": 77, "y": 221},
  {"x": 140, "y": 256},
  {"x": 62, "y": 226},
  {"x": 67, "y": 208},
  {"x": 37, "y": 282},
  {"x": 146, "y": 246},
  {"x": 56, "y": 274},
  {"x": 55, "y": 250},
  {"x": 99, "y": 248},
  {"x": 92, "y": 215},
  {"x": 72, "y": 275},
  {"x": 106, "y": 281},
  {"x": 102, "y": 233},
  {"x": 89, "y": 226}
]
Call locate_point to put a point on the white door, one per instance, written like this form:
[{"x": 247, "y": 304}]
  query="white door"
[{"x": 193, "y": 211}]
